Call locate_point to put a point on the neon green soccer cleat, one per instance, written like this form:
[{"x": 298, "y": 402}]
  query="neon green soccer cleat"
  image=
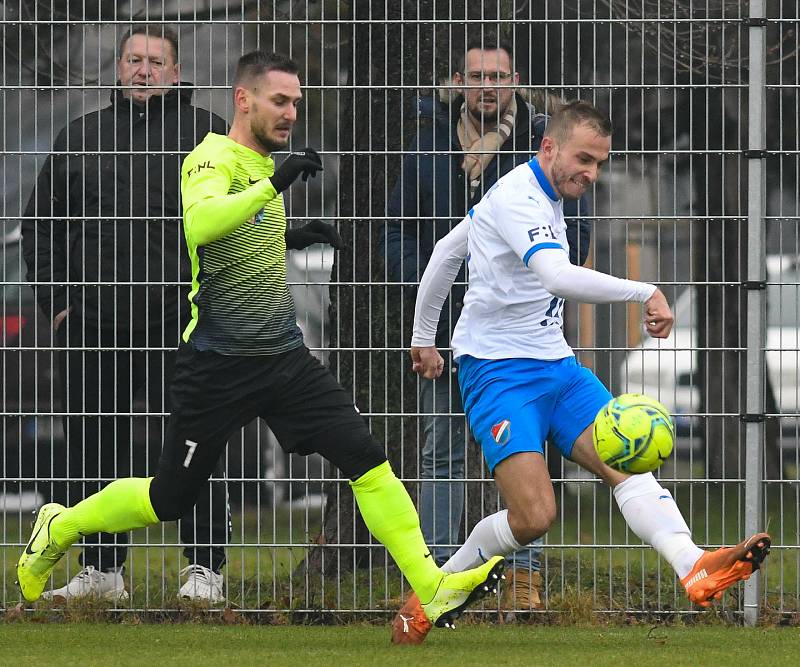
[
  {"x": 458, "y": 590},
  {"x": 40, "y": 555}
]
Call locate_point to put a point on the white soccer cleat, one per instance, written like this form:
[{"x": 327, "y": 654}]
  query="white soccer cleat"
[
  {"x": 90, "y": 582},
  {"x": 202, "y": 585}
]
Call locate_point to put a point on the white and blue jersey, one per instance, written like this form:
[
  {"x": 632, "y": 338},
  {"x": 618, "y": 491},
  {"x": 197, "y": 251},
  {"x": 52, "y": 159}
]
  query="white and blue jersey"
[
  {"x": 507, "y": 312},
  {"x": 520, "y": 381}
]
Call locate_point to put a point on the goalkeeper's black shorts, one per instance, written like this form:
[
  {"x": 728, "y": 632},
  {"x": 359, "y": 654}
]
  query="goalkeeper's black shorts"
[{"x": 213, "y": 395}]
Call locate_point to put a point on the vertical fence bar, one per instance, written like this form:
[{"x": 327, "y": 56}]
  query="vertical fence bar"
[
  {"x": 756, "y": 304},
  {"x": 591, "y": 50}
]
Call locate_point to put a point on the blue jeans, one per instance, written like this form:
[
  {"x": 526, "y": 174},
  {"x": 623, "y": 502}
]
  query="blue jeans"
[{"x": 443, "y": 458}]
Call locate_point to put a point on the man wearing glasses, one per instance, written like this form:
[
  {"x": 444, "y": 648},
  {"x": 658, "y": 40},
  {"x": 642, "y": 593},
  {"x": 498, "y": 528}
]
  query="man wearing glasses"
[{"x": 462, "y": 148}]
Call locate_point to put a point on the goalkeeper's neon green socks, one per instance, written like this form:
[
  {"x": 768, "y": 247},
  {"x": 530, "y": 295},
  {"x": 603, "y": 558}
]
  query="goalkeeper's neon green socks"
[
  {"x": 392, "y": 518},
  {"x": 122, "y": 505}
]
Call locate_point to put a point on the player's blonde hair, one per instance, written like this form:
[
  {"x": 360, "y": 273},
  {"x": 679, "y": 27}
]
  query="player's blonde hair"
[{"x": 568, "y": 116}]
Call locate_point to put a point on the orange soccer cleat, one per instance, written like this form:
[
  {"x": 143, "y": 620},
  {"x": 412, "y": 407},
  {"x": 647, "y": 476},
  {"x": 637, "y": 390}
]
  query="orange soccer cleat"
[
  {"x": 716, "y": 570},
  {"x": 455, "y": 591},
  {"x": 410, "y": 626}
]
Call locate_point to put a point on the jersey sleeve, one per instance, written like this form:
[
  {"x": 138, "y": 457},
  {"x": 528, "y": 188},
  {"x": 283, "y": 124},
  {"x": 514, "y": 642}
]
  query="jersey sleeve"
[
  {"x": 440, "y": 274},
  {"x": 563, "y": 279},
  {"x": 526, "y": 223},
  {"x": 209, "y": 212}
]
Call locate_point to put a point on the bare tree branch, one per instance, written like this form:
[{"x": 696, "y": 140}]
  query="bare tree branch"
[{"x": 702, "y": 39}]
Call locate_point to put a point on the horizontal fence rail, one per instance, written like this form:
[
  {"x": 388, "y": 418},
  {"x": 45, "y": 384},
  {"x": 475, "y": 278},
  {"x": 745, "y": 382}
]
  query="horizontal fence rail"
[{"x": 700, "y": 196}]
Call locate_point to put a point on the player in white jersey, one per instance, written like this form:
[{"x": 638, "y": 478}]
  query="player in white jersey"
[{"x": 520, "y": 380}]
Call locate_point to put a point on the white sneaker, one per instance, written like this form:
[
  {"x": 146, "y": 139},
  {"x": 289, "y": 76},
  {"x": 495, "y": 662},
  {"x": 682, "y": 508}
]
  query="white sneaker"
[
  {"x": 202, "y": 585},
  {"x": 91, "y": 582}
]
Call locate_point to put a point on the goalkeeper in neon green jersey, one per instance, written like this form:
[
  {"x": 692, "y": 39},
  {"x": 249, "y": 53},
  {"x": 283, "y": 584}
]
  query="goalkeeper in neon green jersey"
[{"x": 243, "y": 356}]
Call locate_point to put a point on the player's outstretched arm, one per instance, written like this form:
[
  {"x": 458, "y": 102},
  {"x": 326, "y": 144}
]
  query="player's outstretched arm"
[
  {"x": 578, "y": 283},
  {"x": 568, "y": 281}
]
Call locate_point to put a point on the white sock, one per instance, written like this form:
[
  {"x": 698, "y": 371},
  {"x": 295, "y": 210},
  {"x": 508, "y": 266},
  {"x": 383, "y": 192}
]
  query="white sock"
[
  {"x": 491, "y": 536},
  {"x": 652, "y": 514}
]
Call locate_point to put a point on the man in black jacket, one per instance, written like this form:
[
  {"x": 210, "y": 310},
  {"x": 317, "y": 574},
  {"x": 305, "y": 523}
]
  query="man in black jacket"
[
  {"x": 460, "y": 151},
  {"x": 103, "y": 242}
]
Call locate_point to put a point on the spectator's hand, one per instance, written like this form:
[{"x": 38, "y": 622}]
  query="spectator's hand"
[
  {"x": 427, "y": 362},
  {"x": 307, "y": 162},
  {"x": 58, "y": 319},
  {"x": 658, "y": 319},
  {"x": 315, "y": 231}
]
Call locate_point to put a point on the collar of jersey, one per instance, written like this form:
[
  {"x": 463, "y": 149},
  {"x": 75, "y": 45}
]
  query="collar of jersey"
[
  {"x": 267, "y": 159},
  {"x": 543, "y": 182}
]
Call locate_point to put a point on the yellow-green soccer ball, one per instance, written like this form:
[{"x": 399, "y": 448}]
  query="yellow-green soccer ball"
[{"x": 633, "y": 433}]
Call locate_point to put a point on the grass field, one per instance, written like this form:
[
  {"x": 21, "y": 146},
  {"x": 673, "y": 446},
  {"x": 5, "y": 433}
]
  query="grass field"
[
  {"x": 580, "y": 578},
  {"x": 90, "y": 644}
]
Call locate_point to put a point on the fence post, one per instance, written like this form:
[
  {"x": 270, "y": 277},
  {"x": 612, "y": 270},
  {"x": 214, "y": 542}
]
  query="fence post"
[{"x": 755, "y": 286}]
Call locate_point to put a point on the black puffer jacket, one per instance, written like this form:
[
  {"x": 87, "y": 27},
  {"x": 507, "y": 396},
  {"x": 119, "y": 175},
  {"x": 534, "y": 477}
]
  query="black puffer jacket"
[{"x": 103, "y": 223}]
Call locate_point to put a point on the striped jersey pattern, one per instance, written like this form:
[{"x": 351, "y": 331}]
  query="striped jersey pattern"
[{"x": 241, "y": 302}]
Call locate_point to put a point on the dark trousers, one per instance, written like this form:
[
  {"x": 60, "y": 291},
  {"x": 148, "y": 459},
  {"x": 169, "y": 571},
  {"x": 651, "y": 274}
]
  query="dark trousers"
[{"x": 107, "y": 378}]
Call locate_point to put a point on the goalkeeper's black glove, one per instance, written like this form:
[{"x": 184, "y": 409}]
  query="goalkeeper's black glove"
[
  {"x": 315, "y": 231},
  {"x": 307, "y": 162}
]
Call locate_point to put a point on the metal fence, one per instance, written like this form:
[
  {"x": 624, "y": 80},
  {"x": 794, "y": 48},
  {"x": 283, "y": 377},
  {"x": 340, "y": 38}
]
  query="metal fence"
[{"x": 700, "y": 196}]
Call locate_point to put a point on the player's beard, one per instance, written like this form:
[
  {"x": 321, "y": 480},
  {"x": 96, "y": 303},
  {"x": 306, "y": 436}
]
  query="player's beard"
[
  {"x": 269, "y": 144},
  {"x": 561, "y": 180}
]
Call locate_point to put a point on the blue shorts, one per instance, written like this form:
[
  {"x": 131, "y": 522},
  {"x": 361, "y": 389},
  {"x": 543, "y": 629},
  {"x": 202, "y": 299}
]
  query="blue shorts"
[{"x": 514, "y": 405}]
